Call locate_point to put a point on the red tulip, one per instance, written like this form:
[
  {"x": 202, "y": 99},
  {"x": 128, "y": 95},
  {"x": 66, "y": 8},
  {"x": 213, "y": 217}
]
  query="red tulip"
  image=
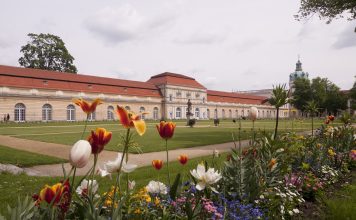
[
  {"x": 157, "y": 164},
  {"x": 183, "y": 159},
  {"x": 166, "y": 129},
  {"x": 331, "y": 117},
  {"x": 87, "y": 107}
]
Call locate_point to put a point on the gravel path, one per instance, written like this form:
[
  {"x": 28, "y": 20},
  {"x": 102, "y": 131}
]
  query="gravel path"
[{"x": 62, "y": 151}]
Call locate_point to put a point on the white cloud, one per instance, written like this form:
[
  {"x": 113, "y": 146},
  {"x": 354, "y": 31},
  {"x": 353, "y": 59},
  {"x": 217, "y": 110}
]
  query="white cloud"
[
  {"x": 201, "y": 38},
  {"x": 124, "y": 23},
  {"x": 346, "y": 38}
]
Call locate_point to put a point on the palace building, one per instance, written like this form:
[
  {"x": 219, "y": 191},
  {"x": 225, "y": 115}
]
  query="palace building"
[{"x": 40, "y": 95}]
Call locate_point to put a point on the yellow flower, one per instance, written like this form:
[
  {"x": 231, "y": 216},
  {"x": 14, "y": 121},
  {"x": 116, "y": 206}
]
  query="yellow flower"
[
  {"x": 331, "y": 152},
  {"x": 157, "y": 201}
]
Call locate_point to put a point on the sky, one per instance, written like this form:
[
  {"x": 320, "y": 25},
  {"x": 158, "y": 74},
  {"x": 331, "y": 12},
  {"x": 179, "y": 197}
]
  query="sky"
[{"x": 228, "y": 45}]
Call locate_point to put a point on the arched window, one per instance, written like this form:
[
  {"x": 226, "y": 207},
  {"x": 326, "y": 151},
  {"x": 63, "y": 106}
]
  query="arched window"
[
  {"x": 142, "y": 110},
  {"x": 20, "y": 112},
  {"x": 223, "y": 113},
  {"x": 215, "y": 114},
  {"x": 203, "y": 99},
  {"x": 236, "y": 113},
  {"x": 263, "y": 113},
  {"x": 230, "y": 113},
  {"x": 127, "y": 108},
  {"x": 92, "y": 116},
  {"x": 208, "y": 113},
  {"x": 110, "y": 113},
  {"x": 155, "y": 113},
  {"x": 70, "y": 113},
  {"x": 178, "y": 113},
  {"x": 197, "y": 112},
  {"x": 46, "y": 112},
  {"x": 242, "y": 113}
]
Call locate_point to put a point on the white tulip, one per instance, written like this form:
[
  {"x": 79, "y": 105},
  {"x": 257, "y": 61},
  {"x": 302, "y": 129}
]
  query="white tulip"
[
  {"x": 205, "y": 178},
  {"x": 156, "y": 187},
  {"x": 83, "y": 188},
  {"x": 132, "y": 184},
  {"x": 113, "y": 166},
  {"x": 80, "y": 154},
  {"x": 253, "y": 113}
]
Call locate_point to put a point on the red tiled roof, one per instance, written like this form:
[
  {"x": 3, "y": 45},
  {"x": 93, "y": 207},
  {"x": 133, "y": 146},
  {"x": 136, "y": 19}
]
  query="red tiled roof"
[
  {"x": 44, "y": 79},
  {"x": 233, "y": 97},
  {"x": 175, "y": 79}
]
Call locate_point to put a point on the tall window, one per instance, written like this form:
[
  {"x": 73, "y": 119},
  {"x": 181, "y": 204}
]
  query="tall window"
[
  {"x": 110, "y": 113},
  {"x": 230, "y": 113},
  {"x": 215, "y": 114},
  {"x": 208, "y": 113},
  {"x": 223, "y": 113},
  {"x": 178, "y": 113},
  {"x": 155, "y": 113},
  {"x": 20, "y": 112},
  {"x": 170, "y": 97},
  {"x": 46, "y": 112},
  {"x": 92, "y": 116},
  {"x": 197, "y": 113},
  {"x": 70, "y": 113},
  {"x": 236, "y": 113},
  {"x": 142, "y": 110},
  {"x": 203, "y": 99},
  {"x": 242, "y": 113}
]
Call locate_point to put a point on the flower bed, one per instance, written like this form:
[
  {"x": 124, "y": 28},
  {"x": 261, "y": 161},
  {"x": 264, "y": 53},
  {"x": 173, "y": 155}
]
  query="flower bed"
[{"x": 269, "y": 180}]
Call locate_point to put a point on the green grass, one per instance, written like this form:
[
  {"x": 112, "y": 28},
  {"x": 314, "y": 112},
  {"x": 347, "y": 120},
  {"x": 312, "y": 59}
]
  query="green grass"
[
  {"x": 25, "y": 159},
  {"x": 203, "y": 134},
  {"x": 12, "y": 186},
  {"x": 342, "y": 205}
]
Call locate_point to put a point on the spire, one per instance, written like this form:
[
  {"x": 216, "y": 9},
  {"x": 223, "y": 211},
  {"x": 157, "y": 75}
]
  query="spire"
[{"x": 298, "y": 65}]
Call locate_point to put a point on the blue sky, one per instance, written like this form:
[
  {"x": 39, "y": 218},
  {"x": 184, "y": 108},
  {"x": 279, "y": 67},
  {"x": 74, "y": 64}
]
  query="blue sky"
[{"x": 226, "y": 45}]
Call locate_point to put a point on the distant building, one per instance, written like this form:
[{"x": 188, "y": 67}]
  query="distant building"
[{"x": 41, "y": 95}]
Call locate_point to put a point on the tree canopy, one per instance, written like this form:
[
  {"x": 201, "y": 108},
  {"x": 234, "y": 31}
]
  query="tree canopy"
[
  {"x": 325, "y": 94},
  {"x": 48, "y": 52},
  {"x": 327, "y": 9}
]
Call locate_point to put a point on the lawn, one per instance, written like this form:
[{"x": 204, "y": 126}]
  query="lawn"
[
  {"x": 203, "y": 134},
  {"x": 12, "y": 186},
  {"x": 25, "y": 159}
]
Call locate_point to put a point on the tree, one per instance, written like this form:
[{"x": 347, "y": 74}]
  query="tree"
[
  {"x": 352, "y": 96},
  {"x": 326, "y": 95},
  {"x": 278, "y": 99},
  {"x": 302, "y": 93},
  {"x": 48, "y": 52},
  {"x": 327, "y": 9}
]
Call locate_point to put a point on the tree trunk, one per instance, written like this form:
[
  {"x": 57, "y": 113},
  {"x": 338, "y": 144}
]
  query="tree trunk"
[
  {"x": 312, "y": 125},
  {"x": 275, "y": 130}
]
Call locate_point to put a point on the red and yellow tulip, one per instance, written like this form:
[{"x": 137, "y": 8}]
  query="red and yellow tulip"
[
  {"x": 157, "y": 164},
  {"x": 86, "y": 106},
  {"x": 54, "y": 194},
  {"x": 166, "y": 129},
  {"x": 130, "y": 120},
  {"x": 331, "y": 117},
  {"x": 183, "y": 159},
  {"x": 99, "y": 139}
]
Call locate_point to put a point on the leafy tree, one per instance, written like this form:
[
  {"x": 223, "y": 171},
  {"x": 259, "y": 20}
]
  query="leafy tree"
[
  {"x": 278, "y": 99},
  {"x": 302, "y": 93},
  {"x": 48, "y": 52},
  {"x": 326, "y": 95},
  {"x": 352, "y": 96},
  {"x": 319, "y": 91},
  {"x": 327, "y": 9},
  {"x": 335, "y": 99}
]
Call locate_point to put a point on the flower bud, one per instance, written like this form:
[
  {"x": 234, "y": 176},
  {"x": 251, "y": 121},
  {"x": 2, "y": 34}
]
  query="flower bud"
[
  {"x": 80, "y": 154},
  {"x": 253, "y": 113}
]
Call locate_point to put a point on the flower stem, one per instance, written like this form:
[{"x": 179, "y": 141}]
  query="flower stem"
[
  {"x": 169, "y": 175},
  {"x": 85, "y": 127}
]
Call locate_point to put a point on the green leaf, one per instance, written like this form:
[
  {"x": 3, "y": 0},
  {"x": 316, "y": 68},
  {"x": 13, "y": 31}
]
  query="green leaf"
[{"x": 174, "y": 189}]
